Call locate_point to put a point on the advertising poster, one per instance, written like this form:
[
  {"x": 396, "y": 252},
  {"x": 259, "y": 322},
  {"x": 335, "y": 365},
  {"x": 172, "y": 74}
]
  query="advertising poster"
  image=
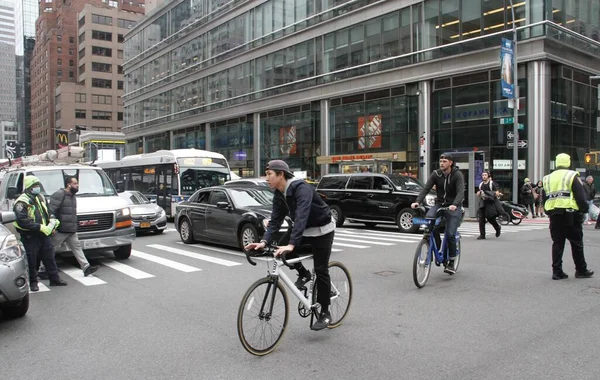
[
  {"x": 287, "y": 140},
  {"x": 61, "y": 138},
  {"x": 369, "y": 132},
  {"x": 506, "y": 69}
]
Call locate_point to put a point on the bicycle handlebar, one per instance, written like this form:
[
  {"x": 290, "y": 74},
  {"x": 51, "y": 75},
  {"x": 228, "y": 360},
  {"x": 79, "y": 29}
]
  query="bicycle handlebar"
[{"x": 269, "y": 250}]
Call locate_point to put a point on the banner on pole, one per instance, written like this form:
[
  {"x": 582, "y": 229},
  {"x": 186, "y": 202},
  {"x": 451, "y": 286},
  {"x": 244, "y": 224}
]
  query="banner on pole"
[{"x": 507, "y": 61}]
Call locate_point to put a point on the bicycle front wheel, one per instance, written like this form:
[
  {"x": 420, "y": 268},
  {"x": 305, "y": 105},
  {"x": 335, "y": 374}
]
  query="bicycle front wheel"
[
  {"x": 262, "y": 317},
  {"x": 341, "y": 293},
  {"x": 421, "y": 264}
]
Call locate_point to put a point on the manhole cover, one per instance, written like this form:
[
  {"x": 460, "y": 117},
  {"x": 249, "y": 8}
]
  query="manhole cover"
[
  {"x": 386, "y": 273},
  {"x": 592, "y": 289}
]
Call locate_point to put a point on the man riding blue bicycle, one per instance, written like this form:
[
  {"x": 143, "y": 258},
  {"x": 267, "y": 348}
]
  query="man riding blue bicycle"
[{"x": 450, "y": 187}]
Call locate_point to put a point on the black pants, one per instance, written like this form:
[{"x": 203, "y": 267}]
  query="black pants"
[
  {"x": 483, "y": 217},
  {"x": 320, "y": 246},
  {"x": 530, "y": 206},
  {"x": 560, "y": 231},
  {"x": 38, "y": 248}
]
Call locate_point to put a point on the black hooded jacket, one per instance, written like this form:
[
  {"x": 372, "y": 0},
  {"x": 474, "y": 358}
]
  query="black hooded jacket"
[{"x": 450, "y": 189}]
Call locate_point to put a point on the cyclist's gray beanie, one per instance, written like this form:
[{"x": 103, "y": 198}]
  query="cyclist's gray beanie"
[{"x": 279, "y": 165}]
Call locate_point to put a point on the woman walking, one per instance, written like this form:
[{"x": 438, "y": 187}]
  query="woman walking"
[
  {"x": 539, "y": 206},
  {"x": 527, "y": 196}
]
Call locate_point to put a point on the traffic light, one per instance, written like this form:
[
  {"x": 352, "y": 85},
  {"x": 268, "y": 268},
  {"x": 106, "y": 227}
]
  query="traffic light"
[{"x": 591, "y": 158}]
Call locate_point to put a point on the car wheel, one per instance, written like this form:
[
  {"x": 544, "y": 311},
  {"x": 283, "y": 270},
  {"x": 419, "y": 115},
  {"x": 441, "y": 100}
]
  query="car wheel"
[
  {"x": 404, "y": 220},
  {"x": 185, "y": 231},
  {"x": 370, "y": 224},
  {"x": 338, "y": 216},
  {"x": 123, "y": 252},
  {"x": 248, "y": 235},
  {"x": 16, "y": 310}
]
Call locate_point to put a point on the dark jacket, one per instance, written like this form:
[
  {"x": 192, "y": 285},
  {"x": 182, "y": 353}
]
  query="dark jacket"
[
  {"x": 590, "y": 191},
  {"x": 527, "y": 194},
  {"x": 20, "y": 209},
  {"x": 63, "y": 205},
  {"x": 579, "y": 196},
  {"x": 450, "y": 189},
  {"x": 303, "y": 205}
]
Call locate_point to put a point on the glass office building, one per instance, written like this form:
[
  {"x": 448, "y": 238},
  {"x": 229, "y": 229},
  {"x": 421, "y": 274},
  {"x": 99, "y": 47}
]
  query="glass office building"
[{"x": 332, "y": 85}]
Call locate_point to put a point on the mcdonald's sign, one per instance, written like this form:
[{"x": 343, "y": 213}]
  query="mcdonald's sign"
[{"x": 61, "y": 138}]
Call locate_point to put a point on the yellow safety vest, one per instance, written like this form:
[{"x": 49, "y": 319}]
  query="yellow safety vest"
[
  {"x": 31, "y": 209},
  {"x": 558, "y": 187}
]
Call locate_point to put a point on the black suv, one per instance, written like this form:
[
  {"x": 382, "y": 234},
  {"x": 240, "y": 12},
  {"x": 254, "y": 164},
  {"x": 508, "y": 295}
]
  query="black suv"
[{"x": 372, "y": 198}]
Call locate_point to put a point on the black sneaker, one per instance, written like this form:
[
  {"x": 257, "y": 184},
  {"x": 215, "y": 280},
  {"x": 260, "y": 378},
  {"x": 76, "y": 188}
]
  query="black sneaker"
[
  {"x": 34, "y": 287},
  {"x": 587, "y": 274},
  {"x": 322, "y": 323},
  {"x": 59, "y": 282},
  {"x": 481, "y": 237},
  {"x": 560, "y": 276},
  {"x": 450, "y": 267},
  {"x": 90, "y": 269},
  {"x": 498, "y": 231},
  {"x": 43, "y": 275},
  {"x": 301, "y": 282}
]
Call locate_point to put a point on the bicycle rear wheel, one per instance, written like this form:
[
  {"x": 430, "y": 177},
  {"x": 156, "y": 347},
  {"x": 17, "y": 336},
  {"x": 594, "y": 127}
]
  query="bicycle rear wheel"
[
  {"x": 341, "y": 293},
  {"x": 421, "y": 268},
  {"x": 262, "y": 317}
]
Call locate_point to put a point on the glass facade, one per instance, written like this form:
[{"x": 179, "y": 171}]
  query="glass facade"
[
  {"x": 192, "y": 137},
  {"x": 234, "y": 139}
]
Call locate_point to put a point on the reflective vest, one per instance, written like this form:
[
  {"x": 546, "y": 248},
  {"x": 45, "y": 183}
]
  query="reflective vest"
[
  {"x": 558, "y": 187},
  {"x": 31, "y": 208}
]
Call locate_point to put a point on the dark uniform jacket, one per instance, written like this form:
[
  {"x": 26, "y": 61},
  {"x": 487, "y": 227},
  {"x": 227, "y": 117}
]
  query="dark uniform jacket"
[
  {"x": 63, "y": 205},
  {"x": 22, "y": 209}
]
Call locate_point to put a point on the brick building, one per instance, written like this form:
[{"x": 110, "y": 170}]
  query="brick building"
[{"x": 75, "y": 63}]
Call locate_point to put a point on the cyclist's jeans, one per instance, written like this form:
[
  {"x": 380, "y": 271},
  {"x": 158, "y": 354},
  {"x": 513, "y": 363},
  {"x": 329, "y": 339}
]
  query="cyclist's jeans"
[
  {"x": 453, "y": 219},
  {"x": 320, "y": 246}
]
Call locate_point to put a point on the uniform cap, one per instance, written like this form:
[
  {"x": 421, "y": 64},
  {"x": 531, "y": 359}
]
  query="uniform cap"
[
  {"x": 29, "y": 181},
  {"x": 563, "y": 160}
]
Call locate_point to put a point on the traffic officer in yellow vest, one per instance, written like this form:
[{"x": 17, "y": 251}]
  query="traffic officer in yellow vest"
[
  {"x": 35, "y": 227},
  {"x": 565, "y": 202}
]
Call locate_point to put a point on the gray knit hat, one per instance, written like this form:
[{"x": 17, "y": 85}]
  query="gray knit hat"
[{"x": 279, "y": 165}]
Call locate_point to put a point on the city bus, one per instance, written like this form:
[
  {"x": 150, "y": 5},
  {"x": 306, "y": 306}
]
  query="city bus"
[{"x": 168, "y": 176}]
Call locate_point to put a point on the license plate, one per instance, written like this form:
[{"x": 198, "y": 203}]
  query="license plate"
[
  {"x": 145, "y": 225},
  {"x": 91, "y": 243},
  {"x": 419, "y": 221}
]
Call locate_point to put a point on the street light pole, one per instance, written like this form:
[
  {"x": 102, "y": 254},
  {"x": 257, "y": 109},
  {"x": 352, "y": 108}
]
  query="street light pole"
[{"x": 515, "y": 163}]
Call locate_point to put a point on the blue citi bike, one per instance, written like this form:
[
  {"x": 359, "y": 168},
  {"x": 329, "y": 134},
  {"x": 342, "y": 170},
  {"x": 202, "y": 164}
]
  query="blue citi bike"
[{"x": 427, "y": 250}]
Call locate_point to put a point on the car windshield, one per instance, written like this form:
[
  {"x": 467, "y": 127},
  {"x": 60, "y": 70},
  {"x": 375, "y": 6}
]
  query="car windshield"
[
  {"x": 259, "y": 196},
  {"x": 407, "y": 183},
  {"x": 194, "y": 179},
  {"x": 92, "y": 183},
  {"x": 134, "y": 198}
]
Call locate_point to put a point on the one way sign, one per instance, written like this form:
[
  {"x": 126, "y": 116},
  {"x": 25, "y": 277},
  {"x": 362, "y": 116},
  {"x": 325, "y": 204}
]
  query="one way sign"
[
  {"x": 510, "y": 135},
  {"x": 521, "y": 144}
]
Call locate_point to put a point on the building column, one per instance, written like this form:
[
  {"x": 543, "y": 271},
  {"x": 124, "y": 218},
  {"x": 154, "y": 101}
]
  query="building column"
[
  {"x": 425, "y": 130},
  {"x": 144, "y": 144},
  {"x": 256, "y": 144},
  {"x": 171, "y": 144},
  {"x": 325, "y": 134},
  {"x": 207, "y": 134},
  {"x": 538, "y": 119}
]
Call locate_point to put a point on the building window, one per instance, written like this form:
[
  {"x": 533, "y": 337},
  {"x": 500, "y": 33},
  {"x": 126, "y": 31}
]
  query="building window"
[
  {"x": 80, "y": 98},
  {"x": 81, "y": 69},
  {"x": 71, "y": 75},
  {"x": 119, "y": 85},
  {"x": 59, "y": 62},
  {"x": 101, "y": 115},
  {"x": 102, "y": 20},
  {"x": 101, "y": 99},
  {"x": 125, "y": 24},
  {"x": 79, "y": 114},
  {"x": 119, "y": 53},
  {"x": 59, "y": 73},
  {"x": 82, "y": 53},
  {"x": 71, "y": 40},
  {"x": 82, "y": 21},
  {"x": 59, "y": 50},
  {"x": 71, "y": 63},
  {"x": 103, "y": 36},
  {"x": 102, "y": 67},
  {"x": 120, "y": 38},
  {"x": 120, "y": 116},
  {"x": 57, "y": 115},
  {"x": 70, "y": 51},
  {"x": 82, "y": 37},
  {"x": 101, "y": 83},
  {"x": 119, "y": 69},
  {"x": 58, "y": 38},
  {"x": 102, "y": 51}
]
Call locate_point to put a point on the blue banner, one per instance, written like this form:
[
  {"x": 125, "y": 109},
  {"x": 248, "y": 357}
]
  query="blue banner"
[{"x": 507, "y": 61}]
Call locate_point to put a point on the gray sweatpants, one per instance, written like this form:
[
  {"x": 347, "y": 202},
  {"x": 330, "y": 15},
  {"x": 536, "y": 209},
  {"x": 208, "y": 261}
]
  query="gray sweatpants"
[{"x": 74, "y": 245}]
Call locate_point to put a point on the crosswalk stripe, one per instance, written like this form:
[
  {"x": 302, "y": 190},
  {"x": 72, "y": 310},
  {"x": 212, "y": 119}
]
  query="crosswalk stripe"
[
  {"x": 362, "y": 236},
  {"x": 126, "y": 269},
  {"x": 361, "y": 241},
  {"x": 43, "y": 288},
  {"x": 394, "y": 236},
  {"x": 336, "y": 250},
  {"x": 77, "y": 275},
  {"x": 166, "y": 262},
  {"x": 350, "y": 245},
  {"x": 193, "y": 255}
]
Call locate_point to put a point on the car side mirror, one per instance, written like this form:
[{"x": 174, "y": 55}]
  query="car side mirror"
[
  {"x": 7, "y": 217},
  {"x": 222, "y": 204},
  {"x": 12, "y": 193}
]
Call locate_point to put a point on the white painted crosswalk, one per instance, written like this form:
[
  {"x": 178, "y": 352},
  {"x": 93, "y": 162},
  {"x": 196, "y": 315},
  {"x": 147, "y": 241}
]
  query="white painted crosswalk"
[{"x": 150, "y": 260}]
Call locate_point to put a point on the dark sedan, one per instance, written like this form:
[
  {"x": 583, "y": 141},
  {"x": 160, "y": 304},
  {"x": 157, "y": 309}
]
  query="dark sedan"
[{"x": 229, "y": 215}]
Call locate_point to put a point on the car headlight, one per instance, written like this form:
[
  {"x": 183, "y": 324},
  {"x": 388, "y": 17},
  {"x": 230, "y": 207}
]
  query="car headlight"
[
  {"x": 430, "y": 200},
  {"x": 124, "y": 212},
  {"x": 11, "y": 249},
  {"x": 161, "y": 213}
]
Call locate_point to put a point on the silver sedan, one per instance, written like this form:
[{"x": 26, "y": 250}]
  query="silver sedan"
[{"x": 146, "y": 215}]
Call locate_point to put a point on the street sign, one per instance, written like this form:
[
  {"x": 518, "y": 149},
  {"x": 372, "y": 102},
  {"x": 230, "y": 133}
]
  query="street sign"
[
  {"x": 507, "y": 120},
  {"x": 521, "y": 144},
  {"x": 510, "y": 135},
  {"x": 521, "y": 127}
]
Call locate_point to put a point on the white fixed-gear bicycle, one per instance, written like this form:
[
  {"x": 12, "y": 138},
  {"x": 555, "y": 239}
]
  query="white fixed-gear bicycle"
[{"x": 264, "y": 310}]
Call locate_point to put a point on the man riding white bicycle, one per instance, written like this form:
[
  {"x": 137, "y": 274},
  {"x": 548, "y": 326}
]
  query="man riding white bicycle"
[
  {"x": 313, "y": 226},
  {"x": 450, "y": 187}
]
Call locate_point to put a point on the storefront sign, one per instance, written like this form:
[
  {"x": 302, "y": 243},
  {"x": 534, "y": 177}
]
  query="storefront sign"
[
  {"x": 393, "y": 156},
  {"x": 480, "y": 111},
  {"x": 506, "y": 68},
  {"x": 369, "y": 132},
  {"x": 352, "y": 157},
  {"x": 507, "y": 165}
]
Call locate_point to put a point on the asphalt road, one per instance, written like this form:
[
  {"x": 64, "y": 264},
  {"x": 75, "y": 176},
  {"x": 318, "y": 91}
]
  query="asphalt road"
[{"x": 500, "y": 317}]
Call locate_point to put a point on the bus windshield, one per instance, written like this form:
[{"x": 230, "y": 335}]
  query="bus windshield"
[
  {"x": 92, "y": 183},
  {"x": 193, "y": 179}
]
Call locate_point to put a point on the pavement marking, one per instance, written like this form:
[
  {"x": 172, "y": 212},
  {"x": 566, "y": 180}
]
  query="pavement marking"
[
  {"x": 170, "y": 230},
  {"x": 77, "y": 275},
  {"x": 166, "y": 262},
  {"x": 193, "y": 255},
  {"x": 126, "y": 269},
  {"x": 349, "y": 245},
  {"x": 361, "y": 241},
  {"x": 43, "y": 288},
  {"x": 403, "y": 238}
]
